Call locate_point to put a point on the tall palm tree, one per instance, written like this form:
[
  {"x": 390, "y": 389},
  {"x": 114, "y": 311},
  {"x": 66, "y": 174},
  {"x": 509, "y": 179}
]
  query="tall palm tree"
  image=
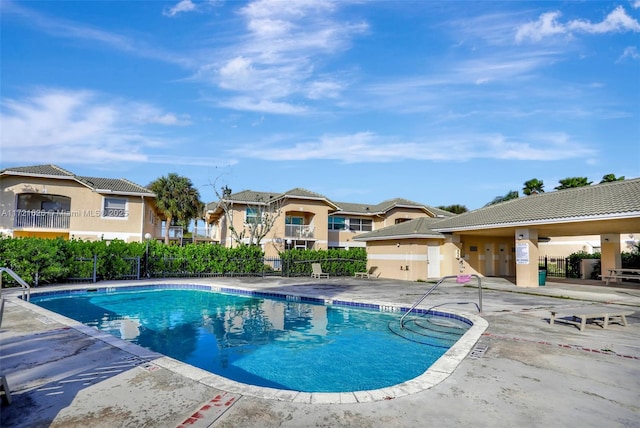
[
  {"x": 533, "y": 186},
  {"x": 176, "y": 198}
]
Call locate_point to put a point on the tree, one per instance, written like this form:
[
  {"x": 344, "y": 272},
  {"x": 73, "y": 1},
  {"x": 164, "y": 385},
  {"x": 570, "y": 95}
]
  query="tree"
[
  {"x": 176, "y": 199},
  {"x": 611, "y": 177},
  {"x": 513, "y": 194},
  {"x": 262, "y": 215},
  {"x": 456, "y": 208},
  {"x": 533, "y": 186},
  {"x": 571, "y": 182}
]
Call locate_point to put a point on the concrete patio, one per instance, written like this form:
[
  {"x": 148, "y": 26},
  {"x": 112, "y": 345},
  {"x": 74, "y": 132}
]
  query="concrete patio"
[{"x": 523, "y": 371}]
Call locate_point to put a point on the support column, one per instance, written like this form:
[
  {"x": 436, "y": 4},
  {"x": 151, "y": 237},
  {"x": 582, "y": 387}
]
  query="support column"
[
  {"x": 526, "y": 257},
  {"x": 610, "y": 257}
]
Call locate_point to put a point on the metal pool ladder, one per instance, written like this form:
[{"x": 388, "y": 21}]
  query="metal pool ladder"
[
  {"x": 460, "y": 279},
  {"x": 25, "y": 287}
]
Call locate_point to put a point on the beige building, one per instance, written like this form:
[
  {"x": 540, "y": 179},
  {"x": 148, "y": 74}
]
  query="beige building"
[
  {"x": 304, "y": 219},
  {"x": 504, "y": 239},
  {"x": 48, "y": 201}
]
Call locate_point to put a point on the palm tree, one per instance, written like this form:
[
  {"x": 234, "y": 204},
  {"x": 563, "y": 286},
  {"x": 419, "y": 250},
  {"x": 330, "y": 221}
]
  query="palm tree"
[
  {"x": 571, "y": 182},
  {"x": 456, "y": 208},
  {"x": 611, "y": 177},
  {"x": 513, "y": 194},
  {"x": 533, "y": 186},
  {"x": 176, "y": 199}
]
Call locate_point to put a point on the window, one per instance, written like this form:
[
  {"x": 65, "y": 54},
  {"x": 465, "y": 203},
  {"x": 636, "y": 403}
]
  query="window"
[
  {"x": 115, "y": 207},
  {"x": 337, "y": 223},
  {"x": 298, "y": 221},
  {"x": 252, "y": 215},
  {"x": 360, "y": 225},
  {"x": 43, "y": 202}
]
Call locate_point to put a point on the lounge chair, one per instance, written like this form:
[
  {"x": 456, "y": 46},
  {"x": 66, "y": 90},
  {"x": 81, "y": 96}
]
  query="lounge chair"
[
  {"x": 368, "y": 274},
  {"x": 317, "y": 271}
]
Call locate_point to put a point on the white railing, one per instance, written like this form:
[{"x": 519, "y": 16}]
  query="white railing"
[
  {"x": 298, "y": 231},
  {"x": 42, "y": 219},
  {"x": 204, "y": 232},
  {"x": 175, "y": 232}
]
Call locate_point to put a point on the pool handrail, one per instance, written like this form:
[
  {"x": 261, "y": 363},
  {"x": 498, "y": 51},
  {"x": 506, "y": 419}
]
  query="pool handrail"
[
  {"x": 444, "y": 278},
  {"x": 23, "y": 284}
]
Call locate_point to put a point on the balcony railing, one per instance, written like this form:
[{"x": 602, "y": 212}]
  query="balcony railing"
[
  {"x": 42, "y": 219},
  {"x": 175, "y": 232},
  {"x": 204, "y": 232},
  {"x": 298, "y": 231}
]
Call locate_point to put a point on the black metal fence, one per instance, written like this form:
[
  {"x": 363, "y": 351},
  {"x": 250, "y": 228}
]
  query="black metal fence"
[
  {"x": 86, "y": 269},
  {"x": 556, "y": 267}
]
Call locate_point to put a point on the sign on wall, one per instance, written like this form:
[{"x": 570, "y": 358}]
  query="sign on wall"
[{"x": 522, "y": 253}]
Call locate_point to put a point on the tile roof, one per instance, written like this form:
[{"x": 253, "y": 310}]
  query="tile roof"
[
  {"x": 421, "y": 227},
  {"x": 98, "y": 184},
  {"x": 52, "y": 170},
  {"x": 304, "y": 193},
  {"x": 251, "y": 196},
  {"x": 385, "y": 206},
  {"x": 614, "y": 199},
  {"x": 342, "y": 207},
  {"x": 116, "y": 185}
]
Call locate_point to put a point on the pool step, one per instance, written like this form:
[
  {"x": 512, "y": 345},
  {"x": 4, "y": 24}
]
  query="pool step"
[{"x": 432, "y": 331}]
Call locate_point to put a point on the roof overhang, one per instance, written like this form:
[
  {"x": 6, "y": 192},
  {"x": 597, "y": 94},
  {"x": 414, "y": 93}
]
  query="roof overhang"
[
  {"x": 569, "y": 226},
  {"x": 396, "y": 237}
]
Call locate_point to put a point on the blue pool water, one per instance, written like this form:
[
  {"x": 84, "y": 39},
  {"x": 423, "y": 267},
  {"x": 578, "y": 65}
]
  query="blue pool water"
[{"x": 261, "y": 341}]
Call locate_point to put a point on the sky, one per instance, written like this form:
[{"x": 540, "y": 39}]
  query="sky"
[{"x": 438, "y": 102}]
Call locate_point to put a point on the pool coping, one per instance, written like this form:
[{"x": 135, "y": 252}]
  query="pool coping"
[{"x": 435, "y": 374}]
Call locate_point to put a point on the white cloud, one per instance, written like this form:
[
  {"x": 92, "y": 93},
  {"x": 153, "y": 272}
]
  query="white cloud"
[
  {"x": 262, "y": 106},
  {"x": 66, "y": 126},
  {"x": 548, "y": 25},
  {"x": 79, "y": 31},
  {"x": 367, "y": 147},
  {"x": 630, "y": 52},
  {"x": 616, "y": 22},
  {"x": 182, "y": 6},
  {"x": 278, "y": 58}
]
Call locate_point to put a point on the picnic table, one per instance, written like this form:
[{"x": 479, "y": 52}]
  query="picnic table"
[{"x": 621, "y": 273}]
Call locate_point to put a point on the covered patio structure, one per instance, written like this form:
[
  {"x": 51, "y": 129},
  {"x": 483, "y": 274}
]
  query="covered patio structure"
[
  {"x": 503, "y": 239},
  {"x": 607, "y": 210}
]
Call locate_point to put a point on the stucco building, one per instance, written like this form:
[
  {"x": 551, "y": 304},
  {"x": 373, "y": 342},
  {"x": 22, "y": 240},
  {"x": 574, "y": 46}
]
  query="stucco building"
[{"x": 50, "y": 202}]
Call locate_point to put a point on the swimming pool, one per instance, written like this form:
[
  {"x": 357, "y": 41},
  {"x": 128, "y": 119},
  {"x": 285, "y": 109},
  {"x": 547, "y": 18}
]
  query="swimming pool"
[{"x": 263, "y": 339}]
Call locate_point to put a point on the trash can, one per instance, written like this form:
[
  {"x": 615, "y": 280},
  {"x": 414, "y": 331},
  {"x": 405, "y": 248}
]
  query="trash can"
[{"x": 542, "y": 277}]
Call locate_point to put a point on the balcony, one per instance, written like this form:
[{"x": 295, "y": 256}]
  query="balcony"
[
  {"x": 197, "y": 232},
  {"x": 295, "y": 231},
  {"x": 204, "y": 232},
  {"x": 38, "y": 219}
]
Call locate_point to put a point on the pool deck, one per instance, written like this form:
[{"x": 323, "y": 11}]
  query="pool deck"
[{"x": 522, "y": 370}]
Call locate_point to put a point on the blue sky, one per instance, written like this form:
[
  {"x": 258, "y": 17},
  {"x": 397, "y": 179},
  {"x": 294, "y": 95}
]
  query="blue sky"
[{"x": 441, "y": 103}]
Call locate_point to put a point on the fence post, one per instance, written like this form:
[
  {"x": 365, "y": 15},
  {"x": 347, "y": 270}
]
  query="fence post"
[
  {"x": 95, "y": 267},
  {"x": 138, "y": 268}
]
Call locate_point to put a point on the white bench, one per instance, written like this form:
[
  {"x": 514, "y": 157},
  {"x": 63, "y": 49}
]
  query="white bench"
[{"x": 593, "y": 313}]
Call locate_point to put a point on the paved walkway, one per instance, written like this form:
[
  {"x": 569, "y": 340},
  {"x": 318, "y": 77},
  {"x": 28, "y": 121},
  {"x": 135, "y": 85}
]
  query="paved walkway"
[{"x": 522, "y": 371}]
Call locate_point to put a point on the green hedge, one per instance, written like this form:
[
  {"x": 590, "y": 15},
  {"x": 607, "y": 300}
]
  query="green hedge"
[
  {"x": 335, "y": 262},
  {"x": 47, "y": 261}
]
